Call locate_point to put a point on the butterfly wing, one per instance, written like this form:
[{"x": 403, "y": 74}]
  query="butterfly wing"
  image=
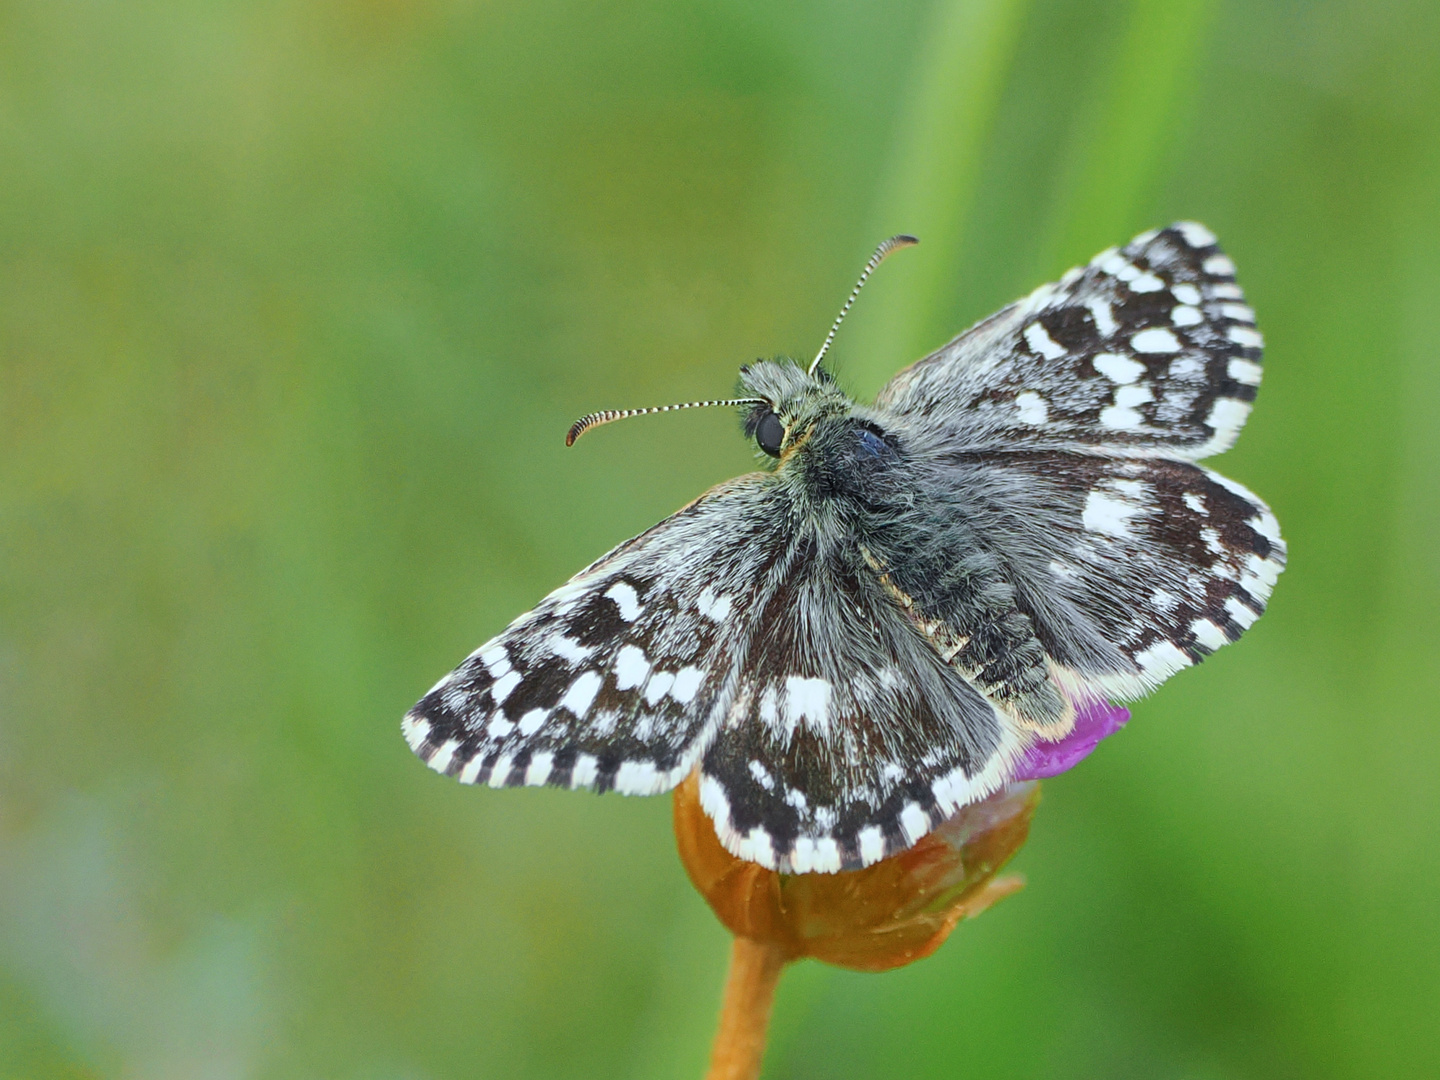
[
  {"x": 1067, "y": 576},
  {"x": 616, "y": 680},
  {"x": 849, "y": 737},
  {"x": 1147, "y": 350}
]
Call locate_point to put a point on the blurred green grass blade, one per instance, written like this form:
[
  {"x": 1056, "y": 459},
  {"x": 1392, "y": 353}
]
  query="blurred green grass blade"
[
  {"x": 929, "y": 190},
  {"x": 1122, "y": 138}
]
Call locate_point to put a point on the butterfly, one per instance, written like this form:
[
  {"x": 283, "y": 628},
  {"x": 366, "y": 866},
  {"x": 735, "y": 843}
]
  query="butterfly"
[{"x": 870, "y": 634}]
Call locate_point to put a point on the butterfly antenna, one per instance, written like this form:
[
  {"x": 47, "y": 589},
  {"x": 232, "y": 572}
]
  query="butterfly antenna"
[
  {"x": 595, "y": 419},
  {"x": 893, "y": 244}
]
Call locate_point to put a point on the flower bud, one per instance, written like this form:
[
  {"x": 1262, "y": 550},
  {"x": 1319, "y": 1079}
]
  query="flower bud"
[{"x": 880, "y": 917}]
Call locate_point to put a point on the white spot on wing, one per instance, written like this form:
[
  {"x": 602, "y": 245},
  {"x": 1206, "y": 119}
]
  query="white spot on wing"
[
  {"x": 1155, "y": 340},
  {"x": 499, "y": 726},
  {"x": 586, "y": 769},
  {"x": 1103, "y": 316},
  {"x": 827, "y": 856},
  {"x": 503, "y": 687},
  {"x": 1120, "y": 418},
  {"x": 914, "y": 822},
  {"x": 687, "y": 683},
  {"x": 762, "y": 775},
  {"x": 626, "y": 599},
  {"x": 1244, "y": 371},
  {"x": 500, "y": 772},
  {"x": 1185, "y": 315},
  {"x": 1196, "y": 503},
  {"x": 872, "y": 844},
  {"x": 1121, "y": 267},
  {"x": 1258, "y": 579},
  {"x": 472, "y": 768},
  {"x": 538, "y": 771},
  {"x": 1039, "y": 339},
  {"x": 581, "y": 694},
  {"x": 1130, "y": 396},
  {"x": 756, "y": 846},
  {"x": 808, "y": 699},
  {"x": 638, "y": 778},
  {"x": 1227, "y": 415},
  {"x": 1123, "y": 416},
  {"x": 415, "y": 729},
  {"x": 1195, "y": 234},
  {"x": 532, "y": 721},
  {"x": 1164, "y": 600},
  {"x": 440, "y": 760},
  {"x": 567, "y": 648},
  {"x": 1107, "y": 514},
  {"x": 1032, "y": 408},
  {"x": 1117, "y": 368},
  {"x": 496, "y": 661},
  {"x": 631, "y": 667},
  {"x": 716, "y": 608},
  {"x": 802, "y": 855},
  {"x": 1241, "y": 613},
  {"x": 658, "y": 686},
  {"x": 1147, "y": 283},
  {"x": 1186, "y": 293},
  {"x": 1238, "y": 312},
  {"x": 1219, "y": 266},
  {"x": 714, "y": 801},
  {"x": 1244, "y": 335},
  {"x": 1208, "y": 634},
  {"x": 769, "y": 710},
  {"x": 1162, "y": 660}
]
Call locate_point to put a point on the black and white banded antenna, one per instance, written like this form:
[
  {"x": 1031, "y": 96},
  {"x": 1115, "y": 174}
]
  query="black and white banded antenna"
[
  {"x": 895, "y": 243},
  {"x": 605, "y": 416}
]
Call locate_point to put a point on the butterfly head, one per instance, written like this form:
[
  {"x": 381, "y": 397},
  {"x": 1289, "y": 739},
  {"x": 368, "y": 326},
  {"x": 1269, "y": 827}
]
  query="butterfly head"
[
  {"x": 826, "y": 445},
  {"x": 789, "y": 403}
]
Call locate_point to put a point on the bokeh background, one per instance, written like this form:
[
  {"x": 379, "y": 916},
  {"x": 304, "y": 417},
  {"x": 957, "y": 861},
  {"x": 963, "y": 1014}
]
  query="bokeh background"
[{"x": 297, "y": 298}]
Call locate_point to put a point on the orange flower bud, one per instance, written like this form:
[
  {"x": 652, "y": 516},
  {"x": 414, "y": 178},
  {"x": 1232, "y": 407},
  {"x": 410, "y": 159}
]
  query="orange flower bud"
[{"x": 881, "y": 917}]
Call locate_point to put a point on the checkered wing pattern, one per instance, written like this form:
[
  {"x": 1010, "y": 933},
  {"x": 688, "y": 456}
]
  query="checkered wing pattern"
[{"x": 1149, "y": 349}]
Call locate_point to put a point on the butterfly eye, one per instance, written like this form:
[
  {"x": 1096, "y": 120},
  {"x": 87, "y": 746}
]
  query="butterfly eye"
[{"x": 770, "y": 433}]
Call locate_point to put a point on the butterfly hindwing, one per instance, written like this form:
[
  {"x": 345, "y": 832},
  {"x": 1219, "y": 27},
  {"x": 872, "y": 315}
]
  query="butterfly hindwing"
[
  {"x": 1118, "y": 572},
  {"x": 1150, "y": 349},
  {"x": 849, "y": 736}
]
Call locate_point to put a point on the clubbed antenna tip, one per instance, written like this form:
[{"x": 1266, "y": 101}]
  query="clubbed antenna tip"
[
  {"x": 895, "y": 243},
  {"x": 595, "y": 419}
]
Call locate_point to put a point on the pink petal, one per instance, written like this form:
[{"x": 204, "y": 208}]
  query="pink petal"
[{"x": 1094, "y": 721}]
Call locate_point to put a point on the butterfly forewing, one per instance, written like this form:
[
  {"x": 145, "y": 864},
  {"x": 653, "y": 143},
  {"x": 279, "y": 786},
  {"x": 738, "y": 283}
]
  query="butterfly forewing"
[
  {"x": 1149, "y": 349},
  {"x": 614, "y": 680}
]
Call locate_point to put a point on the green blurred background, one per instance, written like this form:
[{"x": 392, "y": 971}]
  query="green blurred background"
[{"x": 297, "y": 298}]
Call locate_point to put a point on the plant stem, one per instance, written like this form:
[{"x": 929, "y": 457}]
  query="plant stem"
[{"x": 755, "y": 968}]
